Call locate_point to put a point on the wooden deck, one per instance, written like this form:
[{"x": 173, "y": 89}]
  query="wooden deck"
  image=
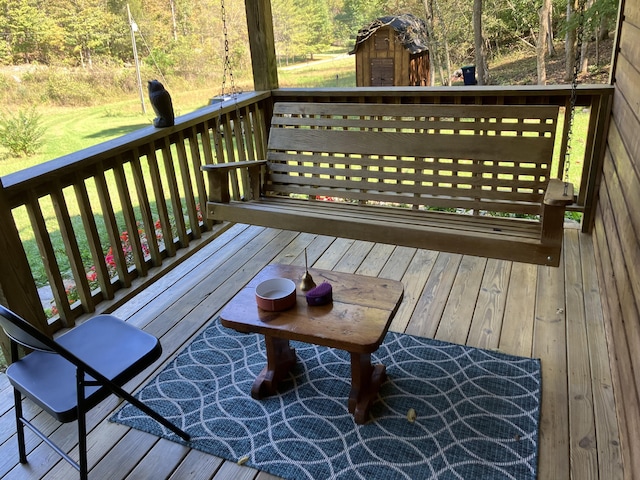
[{"x": 551, "y": 313}]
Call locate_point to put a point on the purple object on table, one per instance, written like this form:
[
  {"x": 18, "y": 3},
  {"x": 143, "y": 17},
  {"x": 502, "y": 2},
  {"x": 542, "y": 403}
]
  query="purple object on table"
[{"x": 320, "y": 295}]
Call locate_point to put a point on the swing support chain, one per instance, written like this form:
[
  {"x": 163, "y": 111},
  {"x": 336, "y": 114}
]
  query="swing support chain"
[
  {"x": 227, "y": 58},
  {"x": 226, "y": 70}
]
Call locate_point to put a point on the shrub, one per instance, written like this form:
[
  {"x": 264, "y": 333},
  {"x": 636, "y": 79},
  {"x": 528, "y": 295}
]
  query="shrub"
[
  {"x": 67, "y": 90},
  {"x": 21, "y": 133}
]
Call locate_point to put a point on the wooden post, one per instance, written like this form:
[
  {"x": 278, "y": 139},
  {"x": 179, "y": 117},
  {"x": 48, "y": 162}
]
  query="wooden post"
[
  {"x": 262, "y": 44},
  {"x": 590, "y": 183},
  {"x": 17, "y": 288}
]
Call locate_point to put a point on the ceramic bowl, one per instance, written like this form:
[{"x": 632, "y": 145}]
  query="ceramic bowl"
[{"x": 276, "y": 294}]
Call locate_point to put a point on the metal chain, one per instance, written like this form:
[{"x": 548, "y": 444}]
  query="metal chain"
[
  {"x": 226, "y": 70},
  {"x": 574, "y": 90},
  {"x": 227, "y": 58}
]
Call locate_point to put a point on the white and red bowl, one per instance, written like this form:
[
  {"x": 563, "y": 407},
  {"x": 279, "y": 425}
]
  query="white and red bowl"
[{"x": 276, "y": 294}]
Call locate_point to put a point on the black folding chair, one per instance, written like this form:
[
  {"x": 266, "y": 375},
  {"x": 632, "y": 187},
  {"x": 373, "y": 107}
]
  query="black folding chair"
[{"x": 69, "y": 376}]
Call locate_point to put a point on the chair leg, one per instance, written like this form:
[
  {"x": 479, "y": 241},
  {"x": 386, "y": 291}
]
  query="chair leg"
[
  {"x": 22, "y": 450},
  {"x": 153, "y": 414},
  {"x": 17, "y": 407},
  {"x": 82, "y": 446},
  {"x": 82, "y": 424}
]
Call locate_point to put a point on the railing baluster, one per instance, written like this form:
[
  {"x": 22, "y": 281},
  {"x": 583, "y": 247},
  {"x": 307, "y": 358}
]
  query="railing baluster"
[
  {"x": 174, "y": 193},
  {"x": 93, "y": 239},
  {"x": 145, "y": 210},
  {"x": 48, "y": 255},
  {"x": 161, "y": 202},
  {"x": 72, "y": 249},
  {"x": 132, "y": 237},
  {"x": 187, "y": 186},
  {"x": 214, "y": 125},
  {"x": 196, "y": 161},
  {"x": 119, "y": 261},
  {"x": 17, "y": 288},
  {"x": 248, "y": 129}
]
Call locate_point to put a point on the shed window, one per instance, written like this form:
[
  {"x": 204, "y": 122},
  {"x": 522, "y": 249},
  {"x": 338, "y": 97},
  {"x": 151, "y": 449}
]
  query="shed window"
[{"x": 381, "y": 39}]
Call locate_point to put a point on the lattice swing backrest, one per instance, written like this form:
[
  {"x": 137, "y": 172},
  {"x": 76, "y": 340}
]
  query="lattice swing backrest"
[{"x": 413, "y": 155}]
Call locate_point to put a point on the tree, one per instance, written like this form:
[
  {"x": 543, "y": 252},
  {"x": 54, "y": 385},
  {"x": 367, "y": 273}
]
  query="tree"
[
  {"x": 287, "y": 23},
  {"x": 541, "y": 44},
  {"x": 316, "y": 28},
  {"x": 89, "y": 28},
  {"x": 31, "y": 34},
  {"x": 593, "y": 18},
  {"x": 357, "y": 14},
  {"x": 437, "y": 42},
  {"x": 482, "y": 70},
  {"x": 570, "y": 40}
]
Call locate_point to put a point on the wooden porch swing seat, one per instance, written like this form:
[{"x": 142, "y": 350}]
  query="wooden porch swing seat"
[{"x": 468, "y": 179}]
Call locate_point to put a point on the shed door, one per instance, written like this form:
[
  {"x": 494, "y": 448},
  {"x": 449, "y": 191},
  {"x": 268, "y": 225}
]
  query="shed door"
[{"x": 382, "y": 72}]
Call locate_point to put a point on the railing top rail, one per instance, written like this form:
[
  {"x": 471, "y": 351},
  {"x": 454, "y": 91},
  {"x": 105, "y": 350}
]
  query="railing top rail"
[
  {"x": 32, "y": 178},
  {"x": 42, "y": 173},
  {"x": 461, "y": 91}
]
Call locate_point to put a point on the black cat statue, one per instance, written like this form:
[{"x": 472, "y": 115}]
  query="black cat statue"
[{"x": 162, "y": 105}]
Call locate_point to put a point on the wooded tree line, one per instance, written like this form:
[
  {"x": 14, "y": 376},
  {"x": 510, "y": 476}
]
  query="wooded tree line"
[{"x": 185, "y": 37}]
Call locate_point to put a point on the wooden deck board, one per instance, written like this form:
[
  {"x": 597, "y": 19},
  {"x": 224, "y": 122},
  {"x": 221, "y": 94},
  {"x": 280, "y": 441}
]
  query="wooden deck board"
[
  {"x": 413, "y": 279},
  {"x": 554, "y": 314},
  {"x": 461, "y": 302},
  {"x": 488, "y": 315},
  {"x": 429, "y": 309},
  {"x": 197, "y": 466},
  {"x": 581, "y": 422},
  {"x": 516, "y": 337},
  {"x": 550, "y": 345},
  {"x": 606, "y": 424}
]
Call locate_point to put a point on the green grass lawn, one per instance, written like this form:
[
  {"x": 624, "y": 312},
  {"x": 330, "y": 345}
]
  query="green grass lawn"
[
  {"x": 320, "y": 73},
  {"x": 71, "y": 129}
]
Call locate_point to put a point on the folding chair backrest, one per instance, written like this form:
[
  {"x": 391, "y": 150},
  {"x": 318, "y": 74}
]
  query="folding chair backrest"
[{"x": 22, "y": 332}]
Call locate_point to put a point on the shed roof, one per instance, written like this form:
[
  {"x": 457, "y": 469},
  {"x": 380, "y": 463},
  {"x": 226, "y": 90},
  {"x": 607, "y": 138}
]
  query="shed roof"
[{"x": 410, "y": 30}]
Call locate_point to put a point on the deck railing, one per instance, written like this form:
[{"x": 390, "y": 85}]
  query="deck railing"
[
  {"x": 103, "y": 217},
  {"x": 106, "y": 217}
]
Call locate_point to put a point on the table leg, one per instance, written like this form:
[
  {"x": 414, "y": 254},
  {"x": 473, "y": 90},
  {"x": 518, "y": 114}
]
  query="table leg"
[
  {"x": 280, "y": 360},
  {"x": 365, "y": 384}
]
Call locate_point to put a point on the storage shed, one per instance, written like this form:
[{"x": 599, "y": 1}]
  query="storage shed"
[{"x": 392, "y": 51}]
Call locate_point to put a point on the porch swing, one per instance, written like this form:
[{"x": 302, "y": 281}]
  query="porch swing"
[{"x": 465, "y": 179}]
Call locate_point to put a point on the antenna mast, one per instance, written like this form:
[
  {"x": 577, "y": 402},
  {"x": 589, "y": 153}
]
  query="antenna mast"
[{"x": 134, "y": 28}]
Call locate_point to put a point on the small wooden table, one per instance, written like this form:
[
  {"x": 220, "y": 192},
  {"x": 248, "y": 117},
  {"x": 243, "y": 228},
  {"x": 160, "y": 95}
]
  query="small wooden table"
[{"x": 356, "y": 322}]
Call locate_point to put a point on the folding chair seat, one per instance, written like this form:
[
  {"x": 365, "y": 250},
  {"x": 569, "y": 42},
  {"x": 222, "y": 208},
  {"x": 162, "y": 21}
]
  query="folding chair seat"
[{"x": 68, "y": 376}]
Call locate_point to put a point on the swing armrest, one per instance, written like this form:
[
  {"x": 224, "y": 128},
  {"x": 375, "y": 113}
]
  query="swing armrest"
[
  {"x": 556, "y": 195},
  {"x": 219, "y": 179},
  {"x": 556, "y": 198}
]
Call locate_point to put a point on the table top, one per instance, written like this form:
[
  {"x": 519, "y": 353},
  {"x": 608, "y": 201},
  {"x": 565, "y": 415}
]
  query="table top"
[{"x": 356, "y": 321}]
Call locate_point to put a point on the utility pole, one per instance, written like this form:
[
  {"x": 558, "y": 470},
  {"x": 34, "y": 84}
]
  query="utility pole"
[{"x": 134, "y": 28}]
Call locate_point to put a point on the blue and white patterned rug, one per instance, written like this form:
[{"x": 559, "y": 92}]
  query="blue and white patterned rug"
[{"x": 477, "y": 410}]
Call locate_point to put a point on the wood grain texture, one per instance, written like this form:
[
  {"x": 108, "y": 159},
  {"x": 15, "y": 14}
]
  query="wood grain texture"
[
  {"x": 550, "y": 344},
  {"x": 180, "y": 304},
  {"x": 617, "y": 247},
  {"x": 368, "y": 302},
  {"x": 378, "y": 172}
]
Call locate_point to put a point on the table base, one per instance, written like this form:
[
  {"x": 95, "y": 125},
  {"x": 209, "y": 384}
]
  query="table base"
[{"x": 281, "y": 358}]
